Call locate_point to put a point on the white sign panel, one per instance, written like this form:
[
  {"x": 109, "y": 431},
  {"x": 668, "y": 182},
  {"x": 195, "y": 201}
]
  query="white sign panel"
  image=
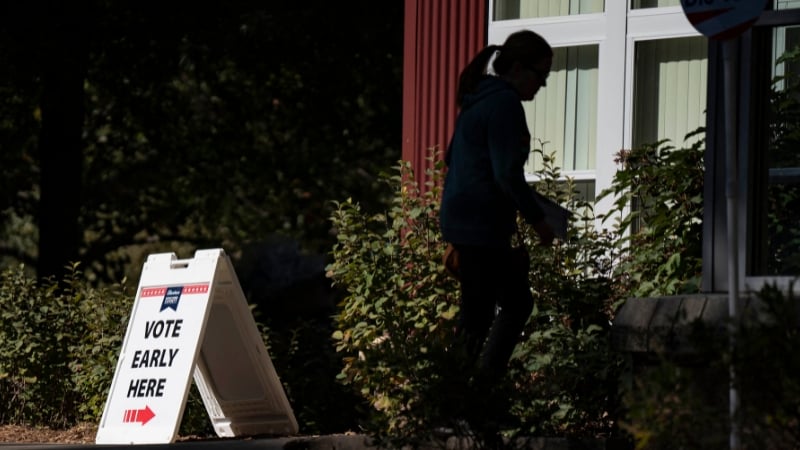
[{"x": 162, "y": 350}]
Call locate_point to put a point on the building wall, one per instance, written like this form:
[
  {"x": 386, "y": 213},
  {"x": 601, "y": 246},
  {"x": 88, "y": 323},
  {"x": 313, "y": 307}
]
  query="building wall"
[{"x": 441, "y": 37}]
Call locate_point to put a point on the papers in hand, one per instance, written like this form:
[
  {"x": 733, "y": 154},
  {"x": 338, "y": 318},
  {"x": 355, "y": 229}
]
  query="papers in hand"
[{"x": 554, "y": 214}]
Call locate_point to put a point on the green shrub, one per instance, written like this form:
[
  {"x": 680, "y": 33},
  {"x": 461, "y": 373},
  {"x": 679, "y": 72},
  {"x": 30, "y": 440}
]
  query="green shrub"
[
  {"x": 769, "y": 391},
  {"x": 60, "y": 341},
  {"x": 565, "y": 366},
  {"x": 396, "y": 321},
  {"x": 93, "y": 357},
  {"x": 303, "y": 353},
  {"x": 658, "y": 203},
  {"x": 658, "y": 211},
  {"x": 36, "y": 334},
  {"x": 59, "y": 347},
  {"x": 675, "y": 404}
]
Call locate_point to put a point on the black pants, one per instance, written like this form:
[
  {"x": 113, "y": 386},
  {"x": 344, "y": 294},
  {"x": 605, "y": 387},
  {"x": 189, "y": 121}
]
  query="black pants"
[{"x": 496, "y": 302}]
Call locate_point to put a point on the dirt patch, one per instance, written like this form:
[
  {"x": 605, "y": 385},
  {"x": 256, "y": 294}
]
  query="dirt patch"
[
  {"x": 79, "y": 434},
  {"x": 83, "y": 433}
]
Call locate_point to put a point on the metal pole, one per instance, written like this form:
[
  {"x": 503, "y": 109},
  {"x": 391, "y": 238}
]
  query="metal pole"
[{"x": 731, "y": 188}]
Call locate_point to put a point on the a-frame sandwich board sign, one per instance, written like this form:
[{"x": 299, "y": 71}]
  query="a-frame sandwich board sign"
[{"x": 190, "y": 318}]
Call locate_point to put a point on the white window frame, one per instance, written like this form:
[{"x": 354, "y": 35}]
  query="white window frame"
[{"x": 616, "y": 32}]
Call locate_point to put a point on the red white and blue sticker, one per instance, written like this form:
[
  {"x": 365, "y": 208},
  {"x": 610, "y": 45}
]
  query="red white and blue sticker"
[{"x": 171, "y": 295}]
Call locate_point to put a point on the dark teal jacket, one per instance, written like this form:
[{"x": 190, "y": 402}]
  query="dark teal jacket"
[{"x": 485, "y": 183}]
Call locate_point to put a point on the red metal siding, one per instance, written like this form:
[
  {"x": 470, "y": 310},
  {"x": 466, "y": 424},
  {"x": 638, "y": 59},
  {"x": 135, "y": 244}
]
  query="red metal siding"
[{"x": 441, "y": 37}]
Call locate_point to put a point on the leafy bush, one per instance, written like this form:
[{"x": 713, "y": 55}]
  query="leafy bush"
[
  {"x": 769, "y": 415},
  {"x": 658, "y": 207},
  {"x": 396, "y": 321},
  {"x": 680, "y": 405},
  {"x": 303, "y": 353},
  {"x": 60, "y": 343},
  {"x": 672, "y": 406},
  {"x": 565, "y": 366}
]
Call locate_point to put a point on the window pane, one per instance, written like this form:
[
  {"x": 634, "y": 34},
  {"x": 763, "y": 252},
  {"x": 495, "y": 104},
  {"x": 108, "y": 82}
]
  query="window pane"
[
  {"x": 638, "y": 4},
  {"x": 669, "y": 98},
  {"x": 785, "y": 4},
  {"x": 564, "y": 114},
  {"x": 781, "y": 251},
  {"x": 522, "y": 9},
  {"x": 585, "y": 190}
]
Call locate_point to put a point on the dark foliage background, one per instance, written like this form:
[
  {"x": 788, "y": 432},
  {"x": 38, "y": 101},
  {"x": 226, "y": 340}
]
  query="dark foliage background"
[
  {"x": 134, "y": 127},
  {"x": 204, "y": 125}
]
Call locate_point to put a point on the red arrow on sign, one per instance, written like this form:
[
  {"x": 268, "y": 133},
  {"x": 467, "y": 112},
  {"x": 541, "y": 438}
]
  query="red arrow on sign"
[{"x": 138, "y": 415}]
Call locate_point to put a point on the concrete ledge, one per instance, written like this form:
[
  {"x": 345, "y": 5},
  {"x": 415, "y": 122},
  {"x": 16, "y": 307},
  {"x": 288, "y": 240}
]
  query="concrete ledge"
[{"x": 663, "y": 324}]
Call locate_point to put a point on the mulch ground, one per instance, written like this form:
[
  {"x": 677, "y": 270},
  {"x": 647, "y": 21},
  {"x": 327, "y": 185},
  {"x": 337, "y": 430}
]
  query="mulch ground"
[
  {"x": 79, "y": 434},
  {"x": 83, "y": 433}
]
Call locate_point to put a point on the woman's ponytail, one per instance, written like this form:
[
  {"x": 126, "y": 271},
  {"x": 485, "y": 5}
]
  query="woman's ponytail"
[
  {"x": 474, "y": 72},
  {"x": 522, "y": 46}
]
